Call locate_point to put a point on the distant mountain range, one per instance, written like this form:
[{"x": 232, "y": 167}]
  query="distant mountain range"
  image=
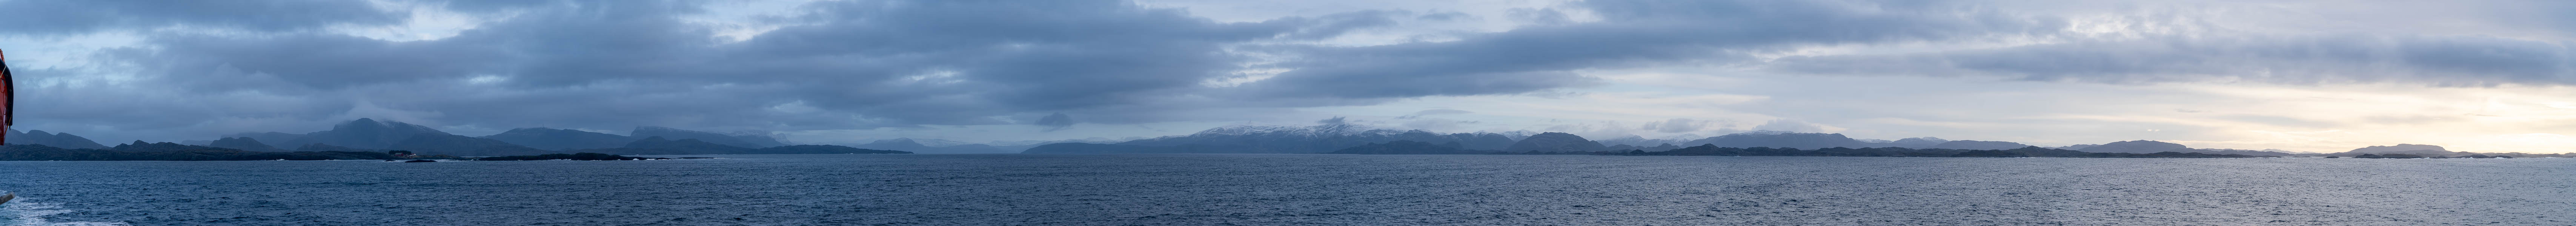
[
  {"x": 1334, "y": 138},
  {"x": 361, "y": 133},
  {"x": 370, "y": 134},
  {"x": 560, "y": 139},
  {"x": 2135, "y": 146},
  {"x": 567, "y": 139},
  {"x": 59, "y": 140},
  {"x": 748, "y": 140},
  {"x": 663, "y": 146},
  {"x": 1975, "y": 145},
  {"x": 1555, "y": 142},
  {"x": 2410, "y": 149},
  {"x": 1784, "y": 139},
  {"x": 943, "y": 146},
  {"x": 1280, "y": 139},
  {"x": 243, "y": 143},
  {"x": 1642, "y": 141},
  {"x": 140, "y": 151}
]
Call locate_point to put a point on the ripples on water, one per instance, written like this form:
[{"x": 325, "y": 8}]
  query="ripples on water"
[{"x": 1208, "y": 189}]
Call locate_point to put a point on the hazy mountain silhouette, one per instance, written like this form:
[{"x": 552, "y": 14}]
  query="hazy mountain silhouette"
[
  {"x": 2148, "y": 146},
  {"x": 2397, "y": 149},
  {"x": 560, "y": 139},
  {"x": 2136, "y": 146},
  {"x": 166, "y": 151},
  {"x": 1975, "y": 145},
  {"x": 328, "y": 147},
  {"x": 736, "y": 140},
  {"x": 362, "y": 133},
  {"x": 1650, "y": 148},
  {"x": 1930, "y": 142},
  {"x": 2409, "y": 149},
  {"x": 1333, "y": 137},
  {"x": 1281, "y": 139},
  {"x": 1642, "y": 141},
  {"x": 1018, "y": 146},
  {"x": 909, "y": 144},
  {"x": 243, "y": 143},
  {"x": 60, "y": 140},
  {"x": 824, "y": 149},
  {"x": 1406, "y": 147},
  {"x": 450, "y": 144},
  {"x": 1091, "y": 148},
  {"x": 371, "y": 134},
  {"x": 1782, "y": 139},
  {"x": 1555, "y": 142},
  {"x": 273, "y": 139},
  {"x": 667, "y": 146},
  {"x": 2025, "y": 151},
  {"x": 2265, "y": 152}
]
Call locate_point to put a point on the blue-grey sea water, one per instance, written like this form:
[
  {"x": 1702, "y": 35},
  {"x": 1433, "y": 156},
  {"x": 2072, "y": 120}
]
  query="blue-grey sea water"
[{"x": 1299, "y": 189}]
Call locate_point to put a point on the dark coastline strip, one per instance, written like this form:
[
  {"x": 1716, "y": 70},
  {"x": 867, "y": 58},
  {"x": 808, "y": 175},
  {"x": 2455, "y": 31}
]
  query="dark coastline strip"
[{"x": 1412, "y": 147}]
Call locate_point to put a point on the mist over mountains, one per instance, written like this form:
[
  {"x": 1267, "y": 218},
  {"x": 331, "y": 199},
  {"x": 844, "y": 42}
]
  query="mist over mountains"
[
  {"x": 369, "y": 134},
  {"x": 1280, "y": 139},
  {"x": 1336, "y": 138},
  {"x": 558, "y": 139},
  {"x": 1330, "y": 137},
  {"x": 748, "y": 140},
  {"x": 1333, "y": 137},
  {"x": 937, "y": 146}
]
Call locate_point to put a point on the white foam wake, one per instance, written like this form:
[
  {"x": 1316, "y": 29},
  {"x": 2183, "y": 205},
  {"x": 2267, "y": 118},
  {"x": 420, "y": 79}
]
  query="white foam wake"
[{"x": 25, "y": 213}]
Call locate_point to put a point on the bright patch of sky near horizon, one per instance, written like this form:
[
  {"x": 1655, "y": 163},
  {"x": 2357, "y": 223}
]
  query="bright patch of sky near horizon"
[{"x": 2301, "y": 76}]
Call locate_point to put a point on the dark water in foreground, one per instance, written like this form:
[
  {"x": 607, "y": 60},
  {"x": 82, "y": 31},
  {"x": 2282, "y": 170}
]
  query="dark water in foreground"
[{"x": 1208, "y": 189}]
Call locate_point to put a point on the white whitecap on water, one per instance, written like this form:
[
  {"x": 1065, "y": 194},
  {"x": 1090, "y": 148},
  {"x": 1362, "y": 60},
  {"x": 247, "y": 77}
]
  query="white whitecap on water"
[{"x": 24, "y": 213}]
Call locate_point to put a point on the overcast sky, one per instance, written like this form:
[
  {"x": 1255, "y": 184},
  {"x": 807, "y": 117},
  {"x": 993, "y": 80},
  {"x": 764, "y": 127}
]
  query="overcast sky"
[{"x": 2322, "y": 76}]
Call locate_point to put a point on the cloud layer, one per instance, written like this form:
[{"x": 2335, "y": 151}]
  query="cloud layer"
[{"x": 191, "y": 70}]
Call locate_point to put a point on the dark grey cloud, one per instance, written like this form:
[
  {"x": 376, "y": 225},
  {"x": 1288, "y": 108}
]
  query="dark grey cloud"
[
  {"x": 1444, "y": 16},
  {"x": 873, "y": 64},
  {"x": 870, "y": 64},
  {"x": 311, "y": 60},
  {"x": 51, "y": 17},
  {"x": 1054, "y": 122},
  {"x": 2347, "y": 58},
  {"x": 843, "y": 65},
  {"x": 1336, "y": 120},
  {"x": 1630, "y": 33}
]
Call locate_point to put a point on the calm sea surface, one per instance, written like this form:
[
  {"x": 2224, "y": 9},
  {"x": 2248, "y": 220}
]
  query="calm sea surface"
[{"x": 1299, "y": 189}]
